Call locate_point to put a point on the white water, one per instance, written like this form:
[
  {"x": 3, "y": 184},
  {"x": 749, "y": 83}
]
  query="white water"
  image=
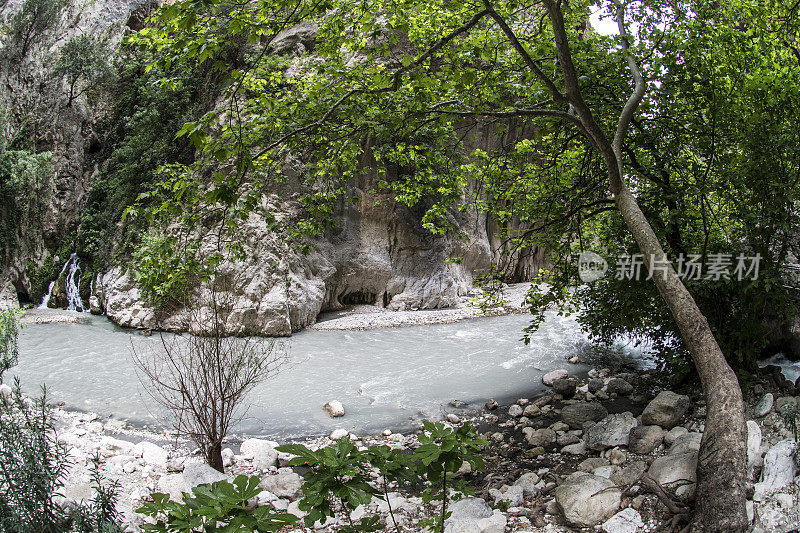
[
  {"x": 389, "y": 377},
  {"x": 71, "y": 286}
]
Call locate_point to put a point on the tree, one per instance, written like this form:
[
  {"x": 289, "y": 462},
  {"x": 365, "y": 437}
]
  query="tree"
[
  {"x": 9, "y": 333},
  {"x": 82, "y": 60},
  {"x": 34, "y": 19},
  {"x": 203, "y": 378},
  {"x": 403, "y": 84}
]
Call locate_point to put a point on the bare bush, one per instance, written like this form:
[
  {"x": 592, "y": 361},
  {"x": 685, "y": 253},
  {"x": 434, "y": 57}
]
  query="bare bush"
[{"x": 203, "y": 378}]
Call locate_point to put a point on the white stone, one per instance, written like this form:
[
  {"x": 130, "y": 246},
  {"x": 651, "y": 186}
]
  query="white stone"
[
  {"x": 528, "y": 483},
  {"x": 283, "y": 485},
  {"x": 613, "y": 430},
  {"x": 753, "y": 446},
  {"x": 116, "y": 446},
  {"x": 626, "y": 521},
  {"x": 553, "y": 375},
  {"x": 494, "y": 524},
  {"x": 152, "y": 454},
  {"x": 261, "y": 451},
  {"x": 465, "y": 515},
  {"x": 334, "y": 408},
  {"x": 337, "y": 434},
  {"x": 515, "y": 410},
  {"x": 779, "y": 467},
  {"x": 587, "y": 500},
  {"x": 201, "y": 474},
  {"x": 512, "y": 495}
]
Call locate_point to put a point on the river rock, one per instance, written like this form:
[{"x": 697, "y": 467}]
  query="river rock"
[
  {"x": 753, "y": 446},
  {"x": 494, "y": 524},
  {"x": 283, "y": 485},
  {"x": 195, "y": 474},
  {"x": 334, "y": 408},
  {"x": 675, "y": 470},
  {"x": 112, "y": 446},
  {"x": 618, "y": 386},
  {"x": 594, "y": 385},
  {"x": 644, "y": 439},
  {"x": 690, "y": 442},
  {"x": 565, "y": 387},
  {"x": 586, "y": 499},
  {"x": 665, "y": 410},
  {"x": 673, "y": 434},
  {"x": 492, "y": 404},
  {"x": 532, "y": 411},
  {"x": 262, "y": 452},
  {"x": 764, "y": 405},
  {"x": 515, "y": 410},
  {"x": 528, "y": 483},
  {"x": 173, "y": 485},
  {"x": 465, "y": 514},
  {"x": 779, "y": 467},
  {"x": 784, "y": 403},
  {"x": 626, "y": 521},
  {"x": 337, "y": 434},
  {"x": 513, "y": 495},
  {"x": 540, "y": 437},
  {"x": 577, "y": 414},
  {"x": 613, "y": 430},
  {"x": 553, "y": 375},
  {"x": 152, "y": 454}
]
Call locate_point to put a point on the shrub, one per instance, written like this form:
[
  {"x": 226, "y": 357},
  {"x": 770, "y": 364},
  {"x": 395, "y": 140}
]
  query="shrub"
[
  {"x": 9, "y": 347},
  {"x": 220, "y": 506}
]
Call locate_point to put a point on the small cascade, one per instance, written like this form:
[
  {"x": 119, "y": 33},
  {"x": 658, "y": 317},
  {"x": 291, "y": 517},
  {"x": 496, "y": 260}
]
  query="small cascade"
[{"x": 72, "y": 282}]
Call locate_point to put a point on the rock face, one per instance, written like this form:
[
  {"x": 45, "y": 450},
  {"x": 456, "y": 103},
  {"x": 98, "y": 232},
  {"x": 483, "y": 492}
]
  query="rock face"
[
  {"x": 665, "y": 410},
  {"x": 587, "y": 500}
]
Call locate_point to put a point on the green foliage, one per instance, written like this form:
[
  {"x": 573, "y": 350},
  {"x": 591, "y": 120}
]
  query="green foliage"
[
  {"x": 338, "y": 480},
  {"x": 82, "y": 62},
  {"x": 220, "y": 506},
  {"x": 164, "y": 268},
  {"x": 790, "y": 418},
  {"x": 35, "y": 465},
  {"x": 31, "y": 22},
  {"x": 9, "y": 333}
]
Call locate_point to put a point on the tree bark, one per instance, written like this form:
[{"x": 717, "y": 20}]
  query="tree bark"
[
  {"x": 214, "y": 457},
  {"x": 720, "y": 495}
]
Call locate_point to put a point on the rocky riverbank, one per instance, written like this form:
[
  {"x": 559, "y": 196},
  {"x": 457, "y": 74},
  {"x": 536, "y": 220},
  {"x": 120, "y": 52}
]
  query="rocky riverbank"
[{"x": 604, "y": 452}]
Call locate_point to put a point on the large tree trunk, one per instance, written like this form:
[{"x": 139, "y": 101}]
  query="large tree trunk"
[
  {"x": 214, "y": 457},
  {"x": 720, "y": 495}
]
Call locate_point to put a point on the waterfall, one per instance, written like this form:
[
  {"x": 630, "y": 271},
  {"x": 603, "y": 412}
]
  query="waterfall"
[{"x": 71, "y": 285}]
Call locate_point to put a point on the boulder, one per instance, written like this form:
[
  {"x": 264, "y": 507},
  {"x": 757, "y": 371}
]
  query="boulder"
[
  {"x": 173, "y": 485},
  {"x": 626, "y": 521},
  {"x": 618, "y": 386},
  {"x": 753, "y": 447},
  {"x": 665, "y": 410},
  {"x": 644, "y": 439},
  {"x": 465, "y": 514},
  {"x": 513, "y": 496},
  {"x": 532, "y": 411},
  {"x": 491, "y": 404},
  {"x": 577, "y": 414},
  {"x": 673, "y": 434},
  {"x": 540, "y": 437},
  {"x": 764, "y": 405},
  {"x": 779, "y": 467},
  {"x": 595, "y": 384},
  {"x": 675, "y": 470},
  {"x": 115, "y": 446},
  {"x": 494, "y": 524},
  {"x": 689, "y": 442},
  {"x": 613, "y": 430},
  {"x": 515, "y": 410},
  {"x": 262, "y": 452},
  {"x": 334, "y": 408},
  {"x": 550, "y": 377},
  {"x": 152, "y": 454},
  {"x": 565, "y": 387},
  {"x": 586, "y": 499},
  {"x": 201, "y": 474},
  {"x": 283, "y": 485},
  {"x": 337, "y": 434}
]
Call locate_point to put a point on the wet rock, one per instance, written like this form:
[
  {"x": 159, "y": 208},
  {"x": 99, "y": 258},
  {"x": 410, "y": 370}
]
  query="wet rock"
[
  {"x": 764, "y": 405},
  {"x": 595, "y": 384},
  {"x": 515, "y": 410},
  {"x": 337, "y": 434},
  {"x": 665, "y": 410},
  {"x": 492, "y": 404},
  {"x": 453, "y": 418},
  {"x": 334, "y": 408},
  {"x": 613, "y": 430},
  {"x": 586, "y": 499},
  {"x": 565, "y": 387},
  {"x": 626, "y": 521},
  {"x": 201, "y": 474},
  {"x": 779, "y": 467},
  {"x": 550, "y": 377},
  {"x": 262, "y": 452},
  {"x": 618, "y": 386},
  {"x": 644, "y": 439},
  {"x": 577, "y": 414},
  {"x": 283, "y": 485},
  {"x": 458, "y": 404},
  {"x": 532, "y": 411},
  {"x": 675, "y": 470},
  {"x": 540, "y": 437}
]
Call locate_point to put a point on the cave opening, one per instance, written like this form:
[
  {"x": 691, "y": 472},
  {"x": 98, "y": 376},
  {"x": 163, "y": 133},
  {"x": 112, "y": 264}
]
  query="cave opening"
[{"x": 358, "y": 298}]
